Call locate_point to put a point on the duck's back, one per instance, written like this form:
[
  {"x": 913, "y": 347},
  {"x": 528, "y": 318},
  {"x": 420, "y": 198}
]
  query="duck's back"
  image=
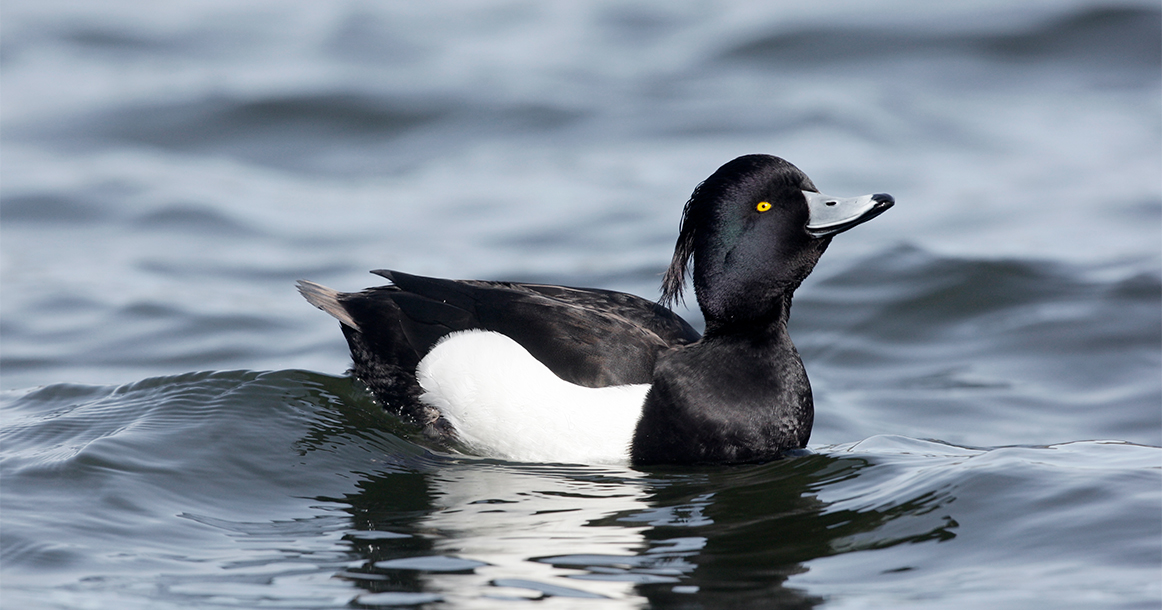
[{"x": 589, "y": 337}]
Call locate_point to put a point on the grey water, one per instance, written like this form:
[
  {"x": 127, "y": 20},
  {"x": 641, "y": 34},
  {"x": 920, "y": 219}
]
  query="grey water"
[{"x": 177, "y": 429}]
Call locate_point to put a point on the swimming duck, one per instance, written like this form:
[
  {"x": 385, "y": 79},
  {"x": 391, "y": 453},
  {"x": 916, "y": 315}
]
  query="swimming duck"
[{"x": 535, "y": 372}]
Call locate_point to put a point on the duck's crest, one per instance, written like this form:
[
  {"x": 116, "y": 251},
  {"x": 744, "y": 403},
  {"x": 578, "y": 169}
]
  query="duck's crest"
[{"x": 675, "y": 279}]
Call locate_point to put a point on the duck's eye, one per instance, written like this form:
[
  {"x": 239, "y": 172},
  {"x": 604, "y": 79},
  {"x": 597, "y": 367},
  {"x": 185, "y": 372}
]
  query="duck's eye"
[{"x": 763, "y": 206}]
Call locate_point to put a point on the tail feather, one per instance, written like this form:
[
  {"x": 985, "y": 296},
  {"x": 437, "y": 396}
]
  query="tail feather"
[{"x": 327, "y": 300}]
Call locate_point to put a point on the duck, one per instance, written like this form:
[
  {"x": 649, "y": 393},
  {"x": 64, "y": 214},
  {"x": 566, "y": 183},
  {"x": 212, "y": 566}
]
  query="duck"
[{"x": 556, "y": 374}]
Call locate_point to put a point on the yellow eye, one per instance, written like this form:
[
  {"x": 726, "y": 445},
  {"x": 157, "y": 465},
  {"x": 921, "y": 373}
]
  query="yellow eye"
[{"x": 763, "y": 206}]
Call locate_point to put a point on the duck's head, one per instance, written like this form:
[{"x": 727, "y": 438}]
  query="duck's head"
[{"x": 755, "y": 229}]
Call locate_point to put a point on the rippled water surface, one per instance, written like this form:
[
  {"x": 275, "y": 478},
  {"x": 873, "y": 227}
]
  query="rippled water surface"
[{"x": 177, "y": 430}]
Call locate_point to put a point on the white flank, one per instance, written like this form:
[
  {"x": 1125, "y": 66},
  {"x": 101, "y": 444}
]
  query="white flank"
[{"x": 504, "y": 403}]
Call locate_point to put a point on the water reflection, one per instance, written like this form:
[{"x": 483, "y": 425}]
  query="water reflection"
[
  {"x": 459, "y": 528},
  {"x": 465, "y": 529}
]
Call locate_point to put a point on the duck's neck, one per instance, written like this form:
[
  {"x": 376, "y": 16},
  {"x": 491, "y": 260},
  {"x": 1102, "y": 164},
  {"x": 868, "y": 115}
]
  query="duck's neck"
[
  {"x": 738, "y": 395},
  {"x": 770, "y": 326}
]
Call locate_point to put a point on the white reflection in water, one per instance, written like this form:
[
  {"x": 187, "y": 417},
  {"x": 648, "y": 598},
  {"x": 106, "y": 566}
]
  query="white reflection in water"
[{"x": 554, "y": 531}]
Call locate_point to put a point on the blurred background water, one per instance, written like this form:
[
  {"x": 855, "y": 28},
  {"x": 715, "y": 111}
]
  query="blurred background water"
[{"x": 986, "y": 357}]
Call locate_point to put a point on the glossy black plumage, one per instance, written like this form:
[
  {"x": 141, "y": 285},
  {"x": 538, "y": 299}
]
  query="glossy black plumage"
[
  {"x": 726, "y": 399},
  {"x": 589, "y": 337},
  {"x": 737, "y": 394}
]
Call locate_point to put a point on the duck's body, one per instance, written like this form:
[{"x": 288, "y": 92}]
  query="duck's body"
[
  {"x": 551, "y": 373},
  {"x": 582, "y": 337}
]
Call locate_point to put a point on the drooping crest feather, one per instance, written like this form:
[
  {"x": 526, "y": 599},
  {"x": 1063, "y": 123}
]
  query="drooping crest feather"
[{"x": 675, "y": 279}]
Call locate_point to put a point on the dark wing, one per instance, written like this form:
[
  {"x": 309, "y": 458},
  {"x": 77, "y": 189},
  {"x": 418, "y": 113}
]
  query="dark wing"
[
  {"x": 589, "y": 337},
  {"x": 658, "y": 319}
]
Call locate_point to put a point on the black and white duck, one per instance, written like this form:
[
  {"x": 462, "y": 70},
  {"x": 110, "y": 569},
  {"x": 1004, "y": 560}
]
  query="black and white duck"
[{"x": 543, "y": 373}]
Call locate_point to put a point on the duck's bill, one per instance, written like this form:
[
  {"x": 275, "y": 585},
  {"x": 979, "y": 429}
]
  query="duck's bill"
[{"x": 831, "y": 215}]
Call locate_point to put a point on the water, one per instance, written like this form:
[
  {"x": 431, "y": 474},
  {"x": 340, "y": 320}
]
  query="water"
[{"x": 177, "y": 431}]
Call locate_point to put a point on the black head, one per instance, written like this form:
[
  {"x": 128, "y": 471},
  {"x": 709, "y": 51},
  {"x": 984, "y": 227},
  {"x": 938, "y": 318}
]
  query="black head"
[{"x": 754, "y": 238}]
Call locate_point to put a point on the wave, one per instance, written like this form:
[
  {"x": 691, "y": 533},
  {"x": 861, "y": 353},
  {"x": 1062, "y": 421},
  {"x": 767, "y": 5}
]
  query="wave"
[
  {"x": 230, "y": 469},
  {"x": 1094, "y": 37}
]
